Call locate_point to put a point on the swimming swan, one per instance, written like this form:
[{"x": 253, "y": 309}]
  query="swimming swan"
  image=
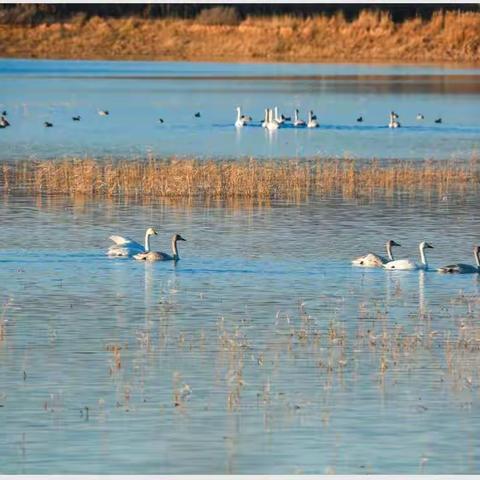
[
  {"x": 312, "y": 120},
  {"x": 297, "y": 122},
  {"x": 126, "y": 247},
  {"x": 462, "y": 267},
  {"x": 407, "y": 264},
  {"x": 242, "y": 120},
  {"x": 394, "y": 123},
  {"x": 160, "y": 256},
  {"x": 373, "y": 260},
  {"x": 271, "y": 124}
]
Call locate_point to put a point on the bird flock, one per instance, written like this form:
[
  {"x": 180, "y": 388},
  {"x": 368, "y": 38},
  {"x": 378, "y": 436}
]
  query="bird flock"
[
  {"x": 272, "y": 120},
  {"x": 389, "y": 263},
  {"x": 126, "y": 247}
]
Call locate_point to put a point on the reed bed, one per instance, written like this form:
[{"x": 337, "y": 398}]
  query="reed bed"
[
  {"x": 250, "y": 179},
  {"x": 372, "y": 36}
]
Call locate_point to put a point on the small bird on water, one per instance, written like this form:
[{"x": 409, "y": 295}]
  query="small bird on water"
[
  {"x": 103, "y": 113},
  {"x": 360, "y": 119},
  {"x": 197, "y": 115},
  {"x": 48, "y": 124},
  {"x": 438, "y": 120},
  {"x": 76, "y": 118}
]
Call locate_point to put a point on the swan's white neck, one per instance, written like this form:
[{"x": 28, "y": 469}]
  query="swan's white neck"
[
  {"x": 147, "y": 242},
  {"x": 389, "y": 252},
  {"x": 477, "y": 258},
  {"x": 296, "y": 115},
  {"x": 309, "y": 116},
  {"x": 423, "y": 256},
  {"x": 276, "y": 113},
  {"x": 239, "y": 113}
]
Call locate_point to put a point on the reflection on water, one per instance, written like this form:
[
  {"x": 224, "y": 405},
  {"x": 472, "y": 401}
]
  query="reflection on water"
[
  {"x": 137, "y": 94},
  {"x": 262, "y": 350}
]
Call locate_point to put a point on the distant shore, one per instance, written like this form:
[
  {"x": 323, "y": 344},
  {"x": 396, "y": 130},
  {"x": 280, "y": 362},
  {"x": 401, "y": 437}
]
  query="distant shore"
[{"x": 450, "y": 37}]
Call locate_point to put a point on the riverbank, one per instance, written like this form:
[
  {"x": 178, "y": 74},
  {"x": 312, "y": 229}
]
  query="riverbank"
[{"x": 371, "y": 37}]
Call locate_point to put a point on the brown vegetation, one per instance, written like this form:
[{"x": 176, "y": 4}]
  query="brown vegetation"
[
  {"x": 251, "y": 179},
  {"x": 372, "y": 36}
]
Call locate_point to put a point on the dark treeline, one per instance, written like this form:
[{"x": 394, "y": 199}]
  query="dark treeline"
[{"x": 30, "y": 14}]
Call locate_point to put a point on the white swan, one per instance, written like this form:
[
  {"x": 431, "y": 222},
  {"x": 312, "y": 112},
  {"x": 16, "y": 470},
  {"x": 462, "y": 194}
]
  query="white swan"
[
  {"x": 126, "y": 247},
  {"x": 103, "y": 113},
  {"x": 297, "y": 122},
  {"x": 374, "y": 260},
  {"x": 394, "y": 123},
  {"x": 312, "y": 120},
  {"x": 271, "y": 124},
  {"x": 463, "y": 267},
  {"x": 265, "y": 119},
  {"x": 407, "y": 264},
  {"x": 242, "y": 120},
  {"x": 160, "y": 256}
]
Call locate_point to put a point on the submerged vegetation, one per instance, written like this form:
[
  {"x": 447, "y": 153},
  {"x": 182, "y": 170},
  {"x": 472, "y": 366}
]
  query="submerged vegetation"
[
  {"x": 251, "y": 179},
  {"x": 222, "y": 34}
]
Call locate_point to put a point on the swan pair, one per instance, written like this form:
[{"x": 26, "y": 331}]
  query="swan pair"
[
  {"x": 374, "y": 260},
  {"x": 242, "y": 120},
  {"x": 126, "y": 247},
  {"x": 394, "y": 123},
  {"x": 311, "y": 123},
  {"x": 269, "y": 121}
]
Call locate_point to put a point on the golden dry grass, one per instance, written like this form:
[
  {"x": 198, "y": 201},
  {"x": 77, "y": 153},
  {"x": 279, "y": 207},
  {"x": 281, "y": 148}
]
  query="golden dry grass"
[
  {"x": 251, "y": 179},
  {"x": 373, "y": 36}
]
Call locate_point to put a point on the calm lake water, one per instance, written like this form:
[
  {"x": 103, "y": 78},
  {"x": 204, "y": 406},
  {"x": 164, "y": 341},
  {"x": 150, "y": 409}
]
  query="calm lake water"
[
  {"x": 262, "y": 350},
  {"x": 137, "y": 94}
]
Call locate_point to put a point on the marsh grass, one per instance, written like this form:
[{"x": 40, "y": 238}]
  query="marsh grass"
[
  {"x": 250, "y": 179},
  {"x": 219, "y": 34}
]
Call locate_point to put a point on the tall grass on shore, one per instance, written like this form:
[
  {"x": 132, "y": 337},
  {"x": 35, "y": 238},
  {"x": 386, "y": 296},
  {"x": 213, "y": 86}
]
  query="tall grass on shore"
[
  {"x": 251, "y": 179},
  {"x": 371, "y": 36}
]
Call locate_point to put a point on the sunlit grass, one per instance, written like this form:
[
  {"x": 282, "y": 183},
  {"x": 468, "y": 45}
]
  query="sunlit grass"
[
  {"x": 372, "y": 35},
  {"x": 251, "y": 179}
]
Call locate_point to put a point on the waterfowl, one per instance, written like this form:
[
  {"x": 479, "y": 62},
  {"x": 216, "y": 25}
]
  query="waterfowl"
[
  {"x": 265, "y": 119},
  {"x": 407, "y": 264},
  {"x": 394, "y": 123},
  {"x": 160, "y": 256},
  {"x": 463, "y": 267},
  {"x": 48, "y": 124},
  {"x": 242, "y": 120},
  {"x": 197, "y": 115},
  {"x": 4, "y": 113},
  {"x": 297, "y": 122},
  {"x": 4, "y": 122},
  {"x": 126, "y": 247},
  {"x": 438, "y": 120},
  {"x": 271, "y": 124},
  {"x": 420, "y": 116},
  {"x": 160, "y": 120},
  {"x": 103, "y": 113},
  {"x": 374, "y": 260},
  {"x": 76, "y": 118},
  {"x": 312, "y": 120},
  {"x": 360, "y": 119}
]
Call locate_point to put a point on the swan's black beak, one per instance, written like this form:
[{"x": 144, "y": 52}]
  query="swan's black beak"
[
  {"x": 181, "y": 238},
  {"x": 428, "y": 245},
  {"x": 395, "y": 244}
]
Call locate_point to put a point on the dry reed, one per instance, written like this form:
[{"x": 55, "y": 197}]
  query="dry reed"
[
  {"x": 287, "y": 179},
  {"x": 372, "y": 36}
]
